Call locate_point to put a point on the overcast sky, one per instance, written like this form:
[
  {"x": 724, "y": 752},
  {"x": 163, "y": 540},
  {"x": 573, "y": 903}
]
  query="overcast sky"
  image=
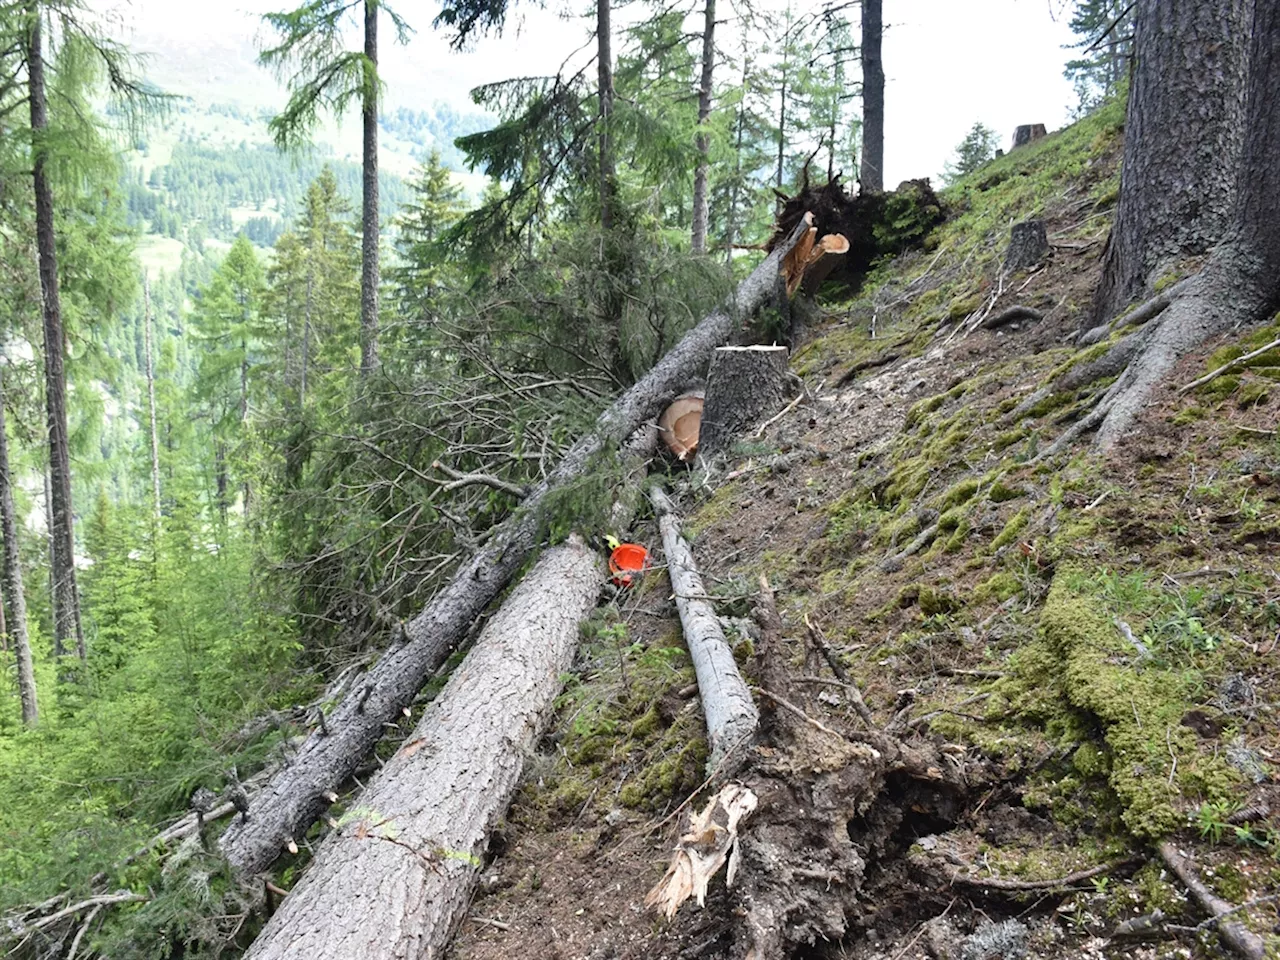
[{"x": 948, "y": 63}]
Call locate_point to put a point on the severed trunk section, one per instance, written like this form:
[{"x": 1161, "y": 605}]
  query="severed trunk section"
[
  {"x": 744, "y": 383},
  {"x": 295, "y": 798},
  {"x": 731, "y": 713},
  {"x": 395, "y": 879}
]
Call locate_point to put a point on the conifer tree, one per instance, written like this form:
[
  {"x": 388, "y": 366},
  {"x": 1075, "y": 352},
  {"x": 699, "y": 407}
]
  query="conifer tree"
[
  {"x": 977, "y": 148},
  {"x": 324, "y": 77},
  {"x": 436, "y": 206},
  {"x": 81, "y": 57}
]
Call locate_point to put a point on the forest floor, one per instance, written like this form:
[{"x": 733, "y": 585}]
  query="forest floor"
[{"x": 1092, "y": 642}]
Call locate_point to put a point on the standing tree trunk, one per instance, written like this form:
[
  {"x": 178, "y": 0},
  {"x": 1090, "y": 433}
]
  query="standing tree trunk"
[
  {"x": 151, "y": 397},
  {"x": 369, "y": 274},
  {"x": 871, "y": 172},
  {"x": 703, "y": 140},
  {"x": 731, "y": 713},
  {"x": 1240, "y": 282},
  {"x": 1182, "y": 140},
  {"x": 604, "y": 78},
  {"x": 396, "y": 880},
  {"x": 66, "y": 597},
  {"x": 13, "y": 579},
  {"x": 295, "y": 797},
  {"x": 731, "y": 224}
]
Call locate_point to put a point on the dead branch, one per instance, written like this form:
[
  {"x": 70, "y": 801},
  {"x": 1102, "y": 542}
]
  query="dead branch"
[
  {"x": 855, "y": 696},
  {"x": 1227, "y": 367},
  {"x": 1001, "y": 883},
  {"x": 459, "y": 479},
  {"x": 1234, "y": 933}
]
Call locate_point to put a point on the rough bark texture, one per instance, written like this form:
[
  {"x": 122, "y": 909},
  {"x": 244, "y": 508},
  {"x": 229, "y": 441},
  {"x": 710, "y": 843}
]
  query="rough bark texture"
[
  {"x": 703, "y": 140},
  {"x": 369, "y": 273},
  {"x": 396, "y": 878},
  {"x": 1028, "y": 245},
  {"x": 1241, "y": 281},
  {"x": 295, "y": 797},
  {"x": 730, "y": 711},
  {"x": 66, "y": 598},
  {"x": 871, "y": 173},
  {"x": 151, "y": 396},
  {"x": 1028, "y": 133},
  {"x": 743, "y": 384},
  {"x": 1182, "y": 139},
  {"x": 13, "y": 580}
]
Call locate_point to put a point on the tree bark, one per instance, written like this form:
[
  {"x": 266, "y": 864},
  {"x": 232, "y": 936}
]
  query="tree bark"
[
  {"x": 1241, "y": 280},
  {"x": 397, "y": 877},
  {"x": 871, "y": 172},
  {"x": 1182, "y": 139},
  {"x": 703, "y": 140},
  {"x": 66, "y": 597},
  {"x": 369, "y": 274},
  {"x": 1028, "y": 245},
  {"x": 295, "y": 797},
  {"x": 13, "y": 579},
  {"x": 604, "y": 77},
  {"x": 743, "y": 384},
  {"x": 151, "y": 397},
  {"x": 730, "y": 711},
  {"x": 731, "y": 225}
]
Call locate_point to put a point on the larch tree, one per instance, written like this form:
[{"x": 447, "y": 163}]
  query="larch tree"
[
  {"x": 324, "y": 77},
  {"x": 871, "y": 169},
  {"x": 1184, "y": 132}
]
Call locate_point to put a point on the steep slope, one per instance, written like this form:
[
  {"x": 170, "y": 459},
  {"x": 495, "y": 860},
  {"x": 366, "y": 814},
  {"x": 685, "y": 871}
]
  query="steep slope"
[{"x": 1090, "y": 642}]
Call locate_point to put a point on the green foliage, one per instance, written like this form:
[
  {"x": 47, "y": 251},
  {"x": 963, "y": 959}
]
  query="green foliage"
[{"x": 976, "y": 149}]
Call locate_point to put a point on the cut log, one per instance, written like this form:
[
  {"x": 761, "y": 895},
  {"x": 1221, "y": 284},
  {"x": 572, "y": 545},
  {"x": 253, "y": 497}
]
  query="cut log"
[
  {"x": 296, "y": 796},
  {"x": 397, "y": 876},
  {"x": 743, "y": 385},
  {"x": 731, "y": 713},
  {"x": 680, "y": 425},
  {"x": 1028, "y": 245}
]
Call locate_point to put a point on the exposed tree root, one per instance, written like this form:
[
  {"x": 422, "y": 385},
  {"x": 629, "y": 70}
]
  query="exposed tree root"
[{"x": 1225, "y": 295}]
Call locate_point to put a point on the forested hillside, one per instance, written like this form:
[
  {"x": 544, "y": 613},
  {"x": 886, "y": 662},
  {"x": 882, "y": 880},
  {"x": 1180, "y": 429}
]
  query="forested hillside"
[{"x": 416, "y": 553}]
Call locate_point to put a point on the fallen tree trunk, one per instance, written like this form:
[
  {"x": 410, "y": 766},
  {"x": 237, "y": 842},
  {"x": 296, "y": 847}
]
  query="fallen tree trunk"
[
  {"x": 731, "y": 713},
  {"x": 743, "y": 384},
  {"x": 395, "y": 879},
  {"x": 296, "y": 796}
]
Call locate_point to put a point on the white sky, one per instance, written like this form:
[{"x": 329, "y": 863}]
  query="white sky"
[{"x": 948, "y": 63}]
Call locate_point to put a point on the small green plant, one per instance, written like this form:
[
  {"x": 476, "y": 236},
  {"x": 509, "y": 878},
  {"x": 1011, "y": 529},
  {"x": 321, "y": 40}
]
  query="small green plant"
[{"x": 1211, "y": 819}]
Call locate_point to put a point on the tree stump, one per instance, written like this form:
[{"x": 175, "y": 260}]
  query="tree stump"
[
  {"x": 1028, "y": 133},
  {"x": 743, "y": 384},
  {"x": 1028, "y": 245}
]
